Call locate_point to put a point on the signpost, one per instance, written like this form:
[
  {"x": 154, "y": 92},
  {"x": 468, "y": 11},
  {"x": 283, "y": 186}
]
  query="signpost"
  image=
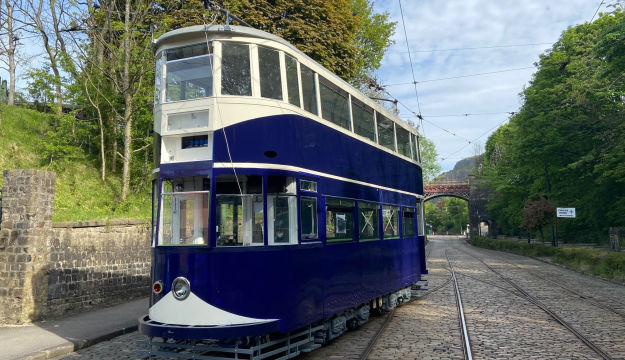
[{"x": 564, "y": 213}]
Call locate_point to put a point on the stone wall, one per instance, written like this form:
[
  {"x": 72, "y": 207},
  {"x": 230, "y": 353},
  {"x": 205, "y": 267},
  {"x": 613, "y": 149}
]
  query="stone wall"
[
  {"x": 94, "y": 264},
  {"x": 49, "y": 270}
]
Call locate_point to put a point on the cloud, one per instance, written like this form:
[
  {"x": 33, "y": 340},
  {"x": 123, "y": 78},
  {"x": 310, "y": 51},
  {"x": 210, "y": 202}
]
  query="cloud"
[{"x": 459, "y": 24}]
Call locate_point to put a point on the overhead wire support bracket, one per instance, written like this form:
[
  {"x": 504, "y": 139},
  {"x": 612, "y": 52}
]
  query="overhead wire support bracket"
[{"x": 208, "y": 4}]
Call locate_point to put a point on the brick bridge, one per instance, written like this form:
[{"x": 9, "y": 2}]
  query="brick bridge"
[
  {"x": 474, "y": 192},
  {"x": 459, "y": 190}
]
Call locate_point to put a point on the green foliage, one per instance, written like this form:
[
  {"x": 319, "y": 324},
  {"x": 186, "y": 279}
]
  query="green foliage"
[
  {"x": 566, "y": 143},
  {"x": 429, "y": 156},
  {"x": 80, "y": 194},
  {"x": 59, "y": 146},
  {"x": 447, "y": 215},
  {"x": 603, "y": 263},
  {"x": 373, "y": 37},
  {"x": 345, "y": 36},
  {"x": 40, "y": 88}
]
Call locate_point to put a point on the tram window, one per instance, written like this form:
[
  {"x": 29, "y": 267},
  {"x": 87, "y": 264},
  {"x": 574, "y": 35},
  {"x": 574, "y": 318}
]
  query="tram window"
[
  {"x": 240, "y": 220},
  {"x": 156, "y": 150},
  {"x": 368, "y": 221},
  {"x": 420, "y": 225},
  {"x": 390, "y": 224},
  {"x": 281, "y": 210},
  {"x": 292, "y": 80},
  {"x": 413, "y": 153},
  {"x": 154, "y": 209},
  {"x": 270, "y": 75},
  {"x": 308, "y": 209},
  {"x": 364, "y": 124},
  {"x": 184, "y": 211},
  {"x": 189, "y": 73},
  {"x": 408, "y": 221},
  {"x": 334, "y": 103},
  {"x": 309, "y": 90},
  {"x": 306, "y": 185},
  {"x": 403, "y": 141},
  {"x": 157, "y": 79},
  {"x": 339, "y": 220},
  {"x": 235, "y": 69},
  {"x": 418, "y": 152},
  {"x": 386, "y": 132}
]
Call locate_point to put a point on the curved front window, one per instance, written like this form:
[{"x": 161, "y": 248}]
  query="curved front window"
[{"x": 189, "y": 73}]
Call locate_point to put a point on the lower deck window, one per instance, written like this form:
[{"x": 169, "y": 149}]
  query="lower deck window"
[
  {"x": 339, "y": 220},
  {"x": 239, "y": 220},
  {"x": 281, "y": 215},
  {"x": 308, "y": 215},
  {"x": 408, "y": 222},
  {"x": 368, "y": 221},
  {"x": 184, "y": 212},
  {"x": 390, "y": 222}
]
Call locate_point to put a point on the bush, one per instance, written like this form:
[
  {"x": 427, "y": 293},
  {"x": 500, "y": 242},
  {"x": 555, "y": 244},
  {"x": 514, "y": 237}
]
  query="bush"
[{"x": 603, "y": 263}]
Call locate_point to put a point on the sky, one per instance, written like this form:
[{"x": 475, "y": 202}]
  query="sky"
[{"x": 433, "y": 27}]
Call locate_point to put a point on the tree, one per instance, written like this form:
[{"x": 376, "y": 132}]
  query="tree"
[
  {"x": 566, "y": 141},
  {"x": 8, "y": 43},
  {"x": 373, "y": 38},
  {"x": 430, "y": 167},
  {"x": 537, "y": 214}
]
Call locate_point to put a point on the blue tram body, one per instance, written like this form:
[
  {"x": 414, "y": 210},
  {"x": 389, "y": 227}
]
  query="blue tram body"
[{"x": 268, "y": 217}]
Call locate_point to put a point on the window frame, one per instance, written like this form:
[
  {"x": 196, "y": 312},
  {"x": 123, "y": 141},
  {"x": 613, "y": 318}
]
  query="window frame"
[{"x": 353, "y": 238}]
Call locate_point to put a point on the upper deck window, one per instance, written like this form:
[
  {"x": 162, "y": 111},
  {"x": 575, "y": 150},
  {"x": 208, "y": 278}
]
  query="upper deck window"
[
  {"x": 386, "y": 134},
  {"x": 189, "y": 73},
  {"x": 413, "y": 141},
  {"x": 364, "y": 123},
  {"x": 309, "y": 90},
  {"x": 403, "y": 141},
  {"x": 270, "y": 75},
  {"x": 235, "y": 69},
  {"x": 292, "y": 80},
  {"x": 158, "y": 73},
  {"x": 334, "y": 103}
]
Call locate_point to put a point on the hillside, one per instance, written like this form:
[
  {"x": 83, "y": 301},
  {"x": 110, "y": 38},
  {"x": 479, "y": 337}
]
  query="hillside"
[
  {"x": 461, "y": 170},
  {"x": 80, "y": 194}
]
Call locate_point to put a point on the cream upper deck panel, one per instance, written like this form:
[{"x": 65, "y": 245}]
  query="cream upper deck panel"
[{"x": 239, "y": 108}]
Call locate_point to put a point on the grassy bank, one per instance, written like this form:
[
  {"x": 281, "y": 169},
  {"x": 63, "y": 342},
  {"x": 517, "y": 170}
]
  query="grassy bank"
[
  {"x": 80, "y": 193},
  {"x": 606, "y": 264}
]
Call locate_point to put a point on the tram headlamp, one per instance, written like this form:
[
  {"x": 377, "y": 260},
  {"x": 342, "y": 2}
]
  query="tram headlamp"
[{"x": 181, "y": 288}]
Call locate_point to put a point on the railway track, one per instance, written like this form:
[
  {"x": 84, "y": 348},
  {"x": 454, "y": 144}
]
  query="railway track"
[
  {"x": 466, "y": 342},
  {"x": 521, "y": 292}
]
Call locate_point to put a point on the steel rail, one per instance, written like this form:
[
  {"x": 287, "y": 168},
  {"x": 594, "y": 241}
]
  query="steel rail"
[
  {"x": 543, "y": 307},
  {"x": 466, "y": 341},
  {"x": 365, "y": 354}
]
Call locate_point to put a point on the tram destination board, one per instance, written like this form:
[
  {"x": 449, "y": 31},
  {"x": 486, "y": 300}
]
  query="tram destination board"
[{"x": 565, "y": 212}]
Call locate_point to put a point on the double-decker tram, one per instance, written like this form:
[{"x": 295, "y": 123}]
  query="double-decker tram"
[{"x": 287, "y": 205}]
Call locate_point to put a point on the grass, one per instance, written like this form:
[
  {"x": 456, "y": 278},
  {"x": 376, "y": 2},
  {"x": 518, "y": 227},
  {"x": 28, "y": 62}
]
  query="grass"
[
  {"x": 603, "y": 263},
  {"x": 80, "y": 193}
]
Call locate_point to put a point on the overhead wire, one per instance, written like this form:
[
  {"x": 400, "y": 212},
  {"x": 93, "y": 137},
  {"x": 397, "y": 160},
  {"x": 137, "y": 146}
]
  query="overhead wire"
[
  {"x": 414, "y": 80},
  {"x": 596, "y": 11},
  {"x": 461, "y": 76},
  {"x": 478, "y": 47}
]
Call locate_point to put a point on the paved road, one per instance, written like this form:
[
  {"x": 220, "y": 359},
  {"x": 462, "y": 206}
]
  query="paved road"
[{"x": 501, "y": 322}]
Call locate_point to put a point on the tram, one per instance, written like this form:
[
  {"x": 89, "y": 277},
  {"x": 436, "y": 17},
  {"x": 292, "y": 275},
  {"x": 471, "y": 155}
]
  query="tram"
[{"x": 284, "y": 200}]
